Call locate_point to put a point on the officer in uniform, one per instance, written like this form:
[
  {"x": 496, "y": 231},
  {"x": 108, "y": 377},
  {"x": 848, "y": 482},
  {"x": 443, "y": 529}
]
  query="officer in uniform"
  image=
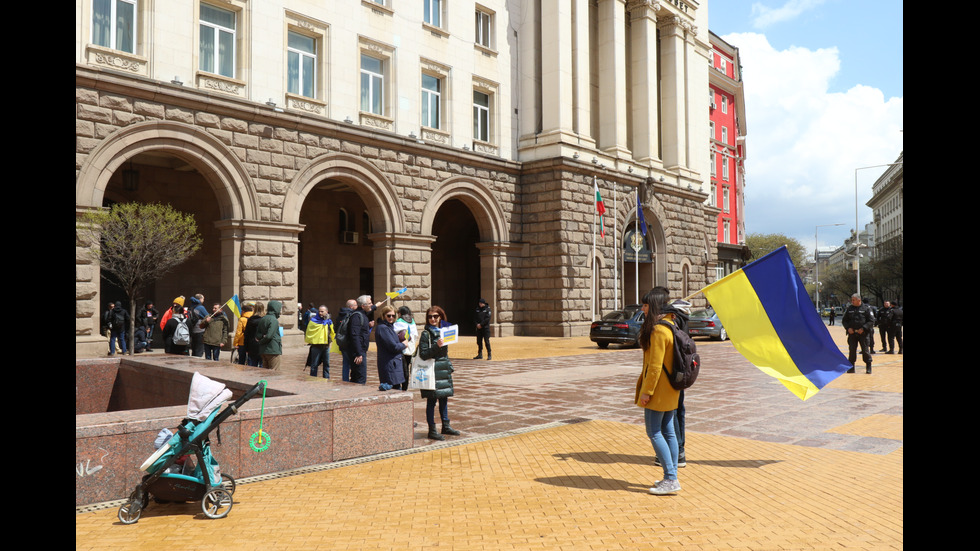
[{"x": 859, "y": 323}]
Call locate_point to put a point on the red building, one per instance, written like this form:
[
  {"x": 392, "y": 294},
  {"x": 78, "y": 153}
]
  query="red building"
[{"x": 727, "y": 142}]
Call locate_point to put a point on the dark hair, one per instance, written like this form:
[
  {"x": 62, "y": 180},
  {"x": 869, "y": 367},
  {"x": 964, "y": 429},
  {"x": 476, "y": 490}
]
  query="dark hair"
[
  {"x": 404, "y": 311},
  {"x": 654, "y": 299},
  {"x": 435, "y": 310}
]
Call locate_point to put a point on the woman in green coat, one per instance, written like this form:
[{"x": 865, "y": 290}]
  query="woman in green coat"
[{"x": 431, "y": 347}]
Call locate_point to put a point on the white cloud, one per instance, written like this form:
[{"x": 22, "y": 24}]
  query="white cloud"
[
  {"x": 763, "y": 16},
  {"x": 804, "y": 142}
]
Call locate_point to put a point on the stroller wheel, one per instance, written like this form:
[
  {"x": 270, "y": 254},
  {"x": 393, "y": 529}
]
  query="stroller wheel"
[
  {"x": 130, "y": 512},
  {"x": 216, "y": 503},
  {"x": 228, "y": 483}
]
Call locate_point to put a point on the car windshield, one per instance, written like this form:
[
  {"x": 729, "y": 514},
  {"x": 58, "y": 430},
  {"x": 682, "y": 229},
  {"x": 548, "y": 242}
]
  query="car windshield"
[
  {"x": 621, "y": 315},
  {"x": 702, "y": 314}
]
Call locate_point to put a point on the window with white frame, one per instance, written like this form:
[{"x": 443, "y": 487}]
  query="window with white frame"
[
  {"x": 711, "y": 125},
  {"x": 301, "y": 64},
  {"x": 217, "y": 53},
  {"x": 484, "y": 28},
  {"x": 481, "y": 116},
  {"x": 114, "y": 24},
  {"x": 724, "y": 135},
  {"x": 372, "y": 85},
  {"x": 727, "y": 231},
  {"x": 724, "y": 167},
  {"x": 714, "y": 194},
  {"x": 431, "y": 101},
  {"x": 725, "y": 199},
  {"x": 724, "y": 103},
  {"x": 714, "y": 163},
  {"x": 432, "y": 12}
]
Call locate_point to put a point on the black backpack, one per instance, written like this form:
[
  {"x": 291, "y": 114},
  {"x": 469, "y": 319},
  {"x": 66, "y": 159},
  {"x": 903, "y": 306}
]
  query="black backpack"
[
  {"x": 342, "y": 336},
  {"x": 687, "y": 361},
  {"x": 119, "y": 319}
]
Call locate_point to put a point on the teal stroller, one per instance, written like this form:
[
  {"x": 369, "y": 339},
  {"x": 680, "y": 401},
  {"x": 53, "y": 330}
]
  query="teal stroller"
[{"x": 183, "y": 469}]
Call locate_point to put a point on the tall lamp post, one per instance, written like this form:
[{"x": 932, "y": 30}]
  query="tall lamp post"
[
  {"x": 816, "y": 262},
  {"x": 857, "y": 240}
]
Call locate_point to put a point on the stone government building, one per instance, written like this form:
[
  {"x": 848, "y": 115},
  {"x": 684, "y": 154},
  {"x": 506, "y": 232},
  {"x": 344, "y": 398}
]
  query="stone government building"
[{"x": 332, "y": 149}]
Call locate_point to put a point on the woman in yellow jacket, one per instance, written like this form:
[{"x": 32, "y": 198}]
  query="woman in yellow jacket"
[
  {"x": 239, "y": 342},
  {"x": 653, "y": 391}
]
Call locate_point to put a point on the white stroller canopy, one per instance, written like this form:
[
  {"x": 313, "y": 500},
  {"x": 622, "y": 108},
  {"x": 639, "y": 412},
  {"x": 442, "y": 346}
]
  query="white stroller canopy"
[{"x": 206, "y": 396}]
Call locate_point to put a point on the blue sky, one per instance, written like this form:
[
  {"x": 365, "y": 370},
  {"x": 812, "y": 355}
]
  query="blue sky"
[{"x": 824, "y": 95}]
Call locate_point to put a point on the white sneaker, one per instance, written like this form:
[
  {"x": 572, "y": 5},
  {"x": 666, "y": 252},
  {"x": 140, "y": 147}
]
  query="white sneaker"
[{"x": 666, "y": 487}]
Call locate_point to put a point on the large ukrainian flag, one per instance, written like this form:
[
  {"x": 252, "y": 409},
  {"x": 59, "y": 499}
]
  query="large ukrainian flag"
[{"x": 771, "y": 321}]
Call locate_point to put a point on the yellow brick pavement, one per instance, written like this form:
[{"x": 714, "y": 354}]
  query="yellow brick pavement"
[{"x": 577, "y": 486}]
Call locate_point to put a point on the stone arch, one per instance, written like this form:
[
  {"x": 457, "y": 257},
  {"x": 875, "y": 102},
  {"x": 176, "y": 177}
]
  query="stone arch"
[
  {"x": 481, "y": 202},
  {"x": 215, "y": 161},
  {"x": 654, "y": 214},
  {"x": 367, "y": 181}
]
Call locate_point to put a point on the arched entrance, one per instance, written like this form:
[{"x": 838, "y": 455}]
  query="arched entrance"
[
  {"x": 456, "y": 264},
  {"x": 336, "y": 262},
  {"x": 178, "y": 164},
  {"x": 643, "y": 258}
]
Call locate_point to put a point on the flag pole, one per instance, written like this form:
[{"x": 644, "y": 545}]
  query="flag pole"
[
  {"x": 615, "y": 247},
  {"x": 595, "y": 185},
  {"x": 636, "y": 252}
]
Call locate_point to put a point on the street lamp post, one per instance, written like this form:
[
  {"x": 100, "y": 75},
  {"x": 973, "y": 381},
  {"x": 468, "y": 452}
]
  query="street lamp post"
[
  {"x": 857, "y": 240},
  {"x": 816, "y": 262}
]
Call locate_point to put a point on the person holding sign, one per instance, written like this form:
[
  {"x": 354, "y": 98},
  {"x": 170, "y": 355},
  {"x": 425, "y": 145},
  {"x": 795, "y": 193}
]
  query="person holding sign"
[{"x": 431, "y": 346}]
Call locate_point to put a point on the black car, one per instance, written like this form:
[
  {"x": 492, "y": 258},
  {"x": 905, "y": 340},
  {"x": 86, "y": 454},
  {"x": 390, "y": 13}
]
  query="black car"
[{"x": 620, "y": 327}]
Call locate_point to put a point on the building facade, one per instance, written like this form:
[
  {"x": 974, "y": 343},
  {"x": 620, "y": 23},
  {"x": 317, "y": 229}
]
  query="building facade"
[
  {"x": 727, "y": 129},
  {"x": 887, "y": 204},
  {"x": 332, "y": 149}
]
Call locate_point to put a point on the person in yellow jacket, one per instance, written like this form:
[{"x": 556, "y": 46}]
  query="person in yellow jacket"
[
  {"x": 320, "y": 335},
  {"x": 654, "y": 392},
  {"x": 239, "y": 342}
]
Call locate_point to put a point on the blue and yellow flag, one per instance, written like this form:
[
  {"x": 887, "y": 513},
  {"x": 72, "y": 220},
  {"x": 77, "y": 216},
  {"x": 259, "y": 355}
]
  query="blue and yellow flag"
[
  {"x": 397, "y": 293},
  {"x": 234, "y": 306},
  {"x": 772, "y": 323}
]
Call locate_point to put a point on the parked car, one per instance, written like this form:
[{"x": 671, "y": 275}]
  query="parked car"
[
  {"x": 705, "y": 323},
  {"x": 620, "y": 327}
]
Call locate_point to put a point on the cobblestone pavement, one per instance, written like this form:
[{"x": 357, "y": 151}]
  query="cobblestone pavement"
[{"x": 553, "y": 456}]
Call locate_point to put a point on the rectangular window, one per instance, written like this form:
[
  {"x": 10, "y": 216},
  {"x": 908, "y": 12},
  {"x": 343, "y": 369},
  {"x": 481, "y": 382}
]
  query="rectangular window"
[
  {"x": 481, "y": 116},
  {"x": 431, "y": 100},
  {"x": 727, "y": 229},
  {"x": 724, "y": 135},
  {"x": 301, "y": 66},
  {"x": 372, "y": 85},
  {"x": 714, "y": 162},
  {"x": 724, "y": 168},
  {"x": 432, "y": 12},
  {"x": 484, "y": 27},
  {"x": 217, "y": 28},
  {"x": 114, "y": 24},
  {"x": 724, "y": 104},
  {"x": 724, "y": 201}
]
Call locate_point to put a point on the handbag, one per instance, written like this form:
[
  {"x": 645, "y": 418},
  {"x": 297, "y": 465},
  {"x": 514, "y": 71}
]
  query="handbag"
[{"x": 423, "y": 375}]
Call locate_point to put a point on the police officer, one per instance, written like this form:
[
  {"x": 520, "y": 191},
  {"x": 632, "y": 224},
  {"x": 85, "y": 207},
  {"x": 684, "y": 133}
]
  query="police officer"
[
  {"x": 482, "y": 319},
  {"x": 859, "y": 323}
]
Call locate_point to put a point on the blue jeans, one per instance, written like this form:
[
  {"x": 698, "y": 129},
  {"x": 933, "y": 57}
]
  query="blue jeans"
[
  {"x": 121, "y": 335},
  {"x": 211, "y": 352},
  {"x": 430, "y": 406},
  {"x": 660, "y": 430},
  {"x": 319, "y": 354}
]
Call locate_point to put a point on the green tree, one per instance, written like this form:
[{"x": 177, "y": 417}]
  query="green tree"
[
  {"x": 137, "y": 243},
  {"x": 761, "y": 244}
]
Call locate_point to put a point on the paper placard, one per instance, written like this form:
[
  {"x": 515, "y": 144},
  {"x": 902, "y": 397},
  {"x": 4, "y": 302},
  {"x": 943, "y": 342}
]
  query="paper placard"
[{"x": 449, "y": 335}]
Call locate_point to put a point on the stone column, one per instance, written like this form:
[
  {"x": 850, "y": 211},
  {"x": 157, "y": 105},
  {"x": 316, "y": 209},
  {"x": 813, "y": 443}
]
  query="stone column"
[
  {"x": 581, "y": 73},
  {"x": 404, "y": 260},
  {"x": 556, "y": 71},
  {"x": 673, "y": 121},
  {"x": 645, "y": 94},
  {"x": 497, "y": 283},
  {"x": 612, "y": 78},
  {"x": 88, "y": 341},
  {"x": 268, "y": 260}
]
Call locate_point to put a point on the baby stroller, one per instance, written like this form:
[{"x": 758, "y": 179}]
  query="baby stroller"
[{"x": 168, "y": 480}]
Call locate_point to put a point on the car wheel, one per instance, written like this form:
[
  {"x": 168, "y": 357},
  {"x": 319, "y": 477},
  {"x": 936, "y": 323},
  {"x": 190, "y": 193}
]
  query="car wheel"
[
  {"x": 724, "y": 335},
  {"x": 603, "y": 345}
]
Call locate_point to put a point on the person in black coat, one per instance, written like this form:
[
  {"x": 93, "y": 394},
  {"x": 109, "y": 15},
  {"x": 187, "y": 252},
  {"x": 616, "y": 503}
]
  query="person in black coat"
[
  {"x": 431, "y": 347},
  {"x": 859, "y": 323}
]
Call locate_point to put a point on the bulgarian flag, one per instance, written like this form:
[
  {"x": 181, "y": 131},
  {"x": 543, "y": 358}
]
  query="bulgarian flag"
[{"x": 600, "y": 207}]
